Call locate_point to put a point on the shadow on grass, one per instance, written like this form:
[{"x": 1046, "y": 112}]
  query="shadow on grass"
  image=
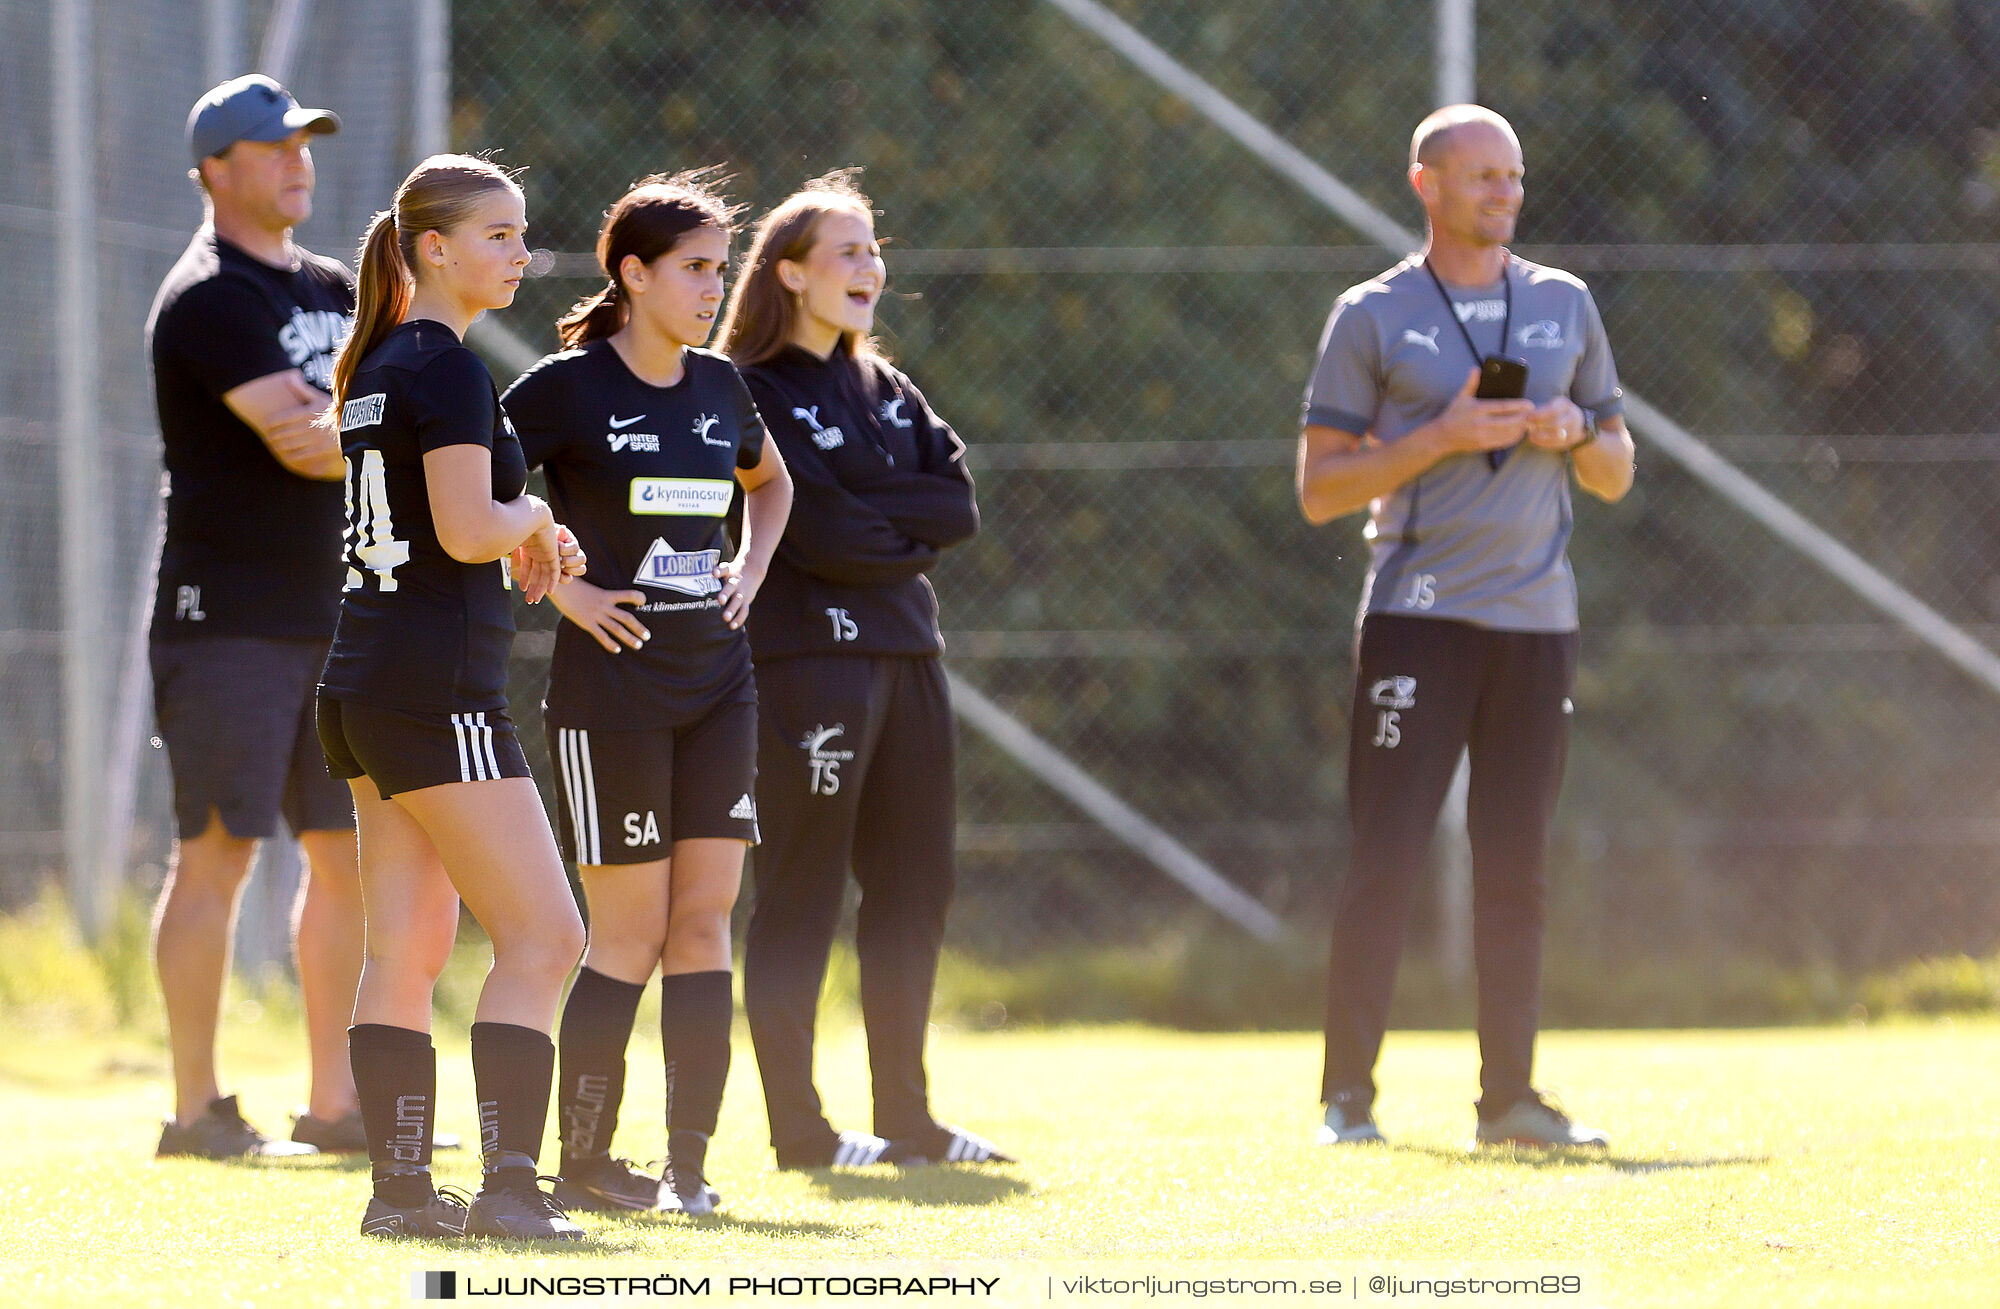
[
  {"x": 625, "y": 1232},
  {"x": 760, "y": 1226},
  {"x": 1581, "y": 1160},
  {"x": 926, "y": 1186}
]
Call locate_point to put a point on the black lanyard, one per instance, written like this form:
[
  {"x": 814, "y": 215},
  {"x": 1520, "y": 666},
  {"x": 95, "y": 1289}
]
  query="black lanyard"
[
  {"x": 1507, "y": 315},
  {"x": 1494, "y": 458}
]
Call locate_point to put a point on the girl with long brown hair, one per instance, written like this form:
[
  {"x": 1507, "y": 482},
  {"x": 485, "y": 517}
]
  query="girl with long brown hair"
[
  {"x": 652, "y": 710},
  {"x": 856, "y": 741},
  {"x": 413, "y": 707}
]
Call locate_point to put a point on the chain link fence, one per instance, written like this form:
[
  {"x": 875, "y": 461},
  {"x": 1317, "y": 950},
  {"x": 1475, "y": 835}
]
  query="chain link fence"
[
  {"x": 1787, "y": 211},
  {"x": 95, "y": 206}
]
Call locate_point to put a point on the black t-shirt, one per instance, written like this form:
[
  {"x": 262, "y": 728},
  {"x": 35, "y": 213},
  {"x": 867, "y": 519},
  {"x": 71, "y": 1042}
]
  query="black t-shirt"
[
  {"x": 879, "y": 491},
  {"x": 419, "y": 630},
  {"x": 250, "y": 549},
  {"x": 643, "y": 475}
]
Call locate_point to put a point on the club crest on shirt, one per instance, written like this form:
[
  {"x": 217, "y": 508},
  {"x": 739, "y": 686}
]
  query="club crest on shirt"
[
  {"x": 706, "y": 423},
  {"x": 892, "y": 413},
  {"x": 1545, "y": 333},
  {"x": 690, "y": 572}
]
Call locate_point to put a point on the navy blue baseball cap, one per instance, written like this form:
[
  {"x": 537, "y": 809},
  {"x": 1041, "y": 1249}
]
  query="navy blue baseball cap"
[{"x": 250, "y": 108}]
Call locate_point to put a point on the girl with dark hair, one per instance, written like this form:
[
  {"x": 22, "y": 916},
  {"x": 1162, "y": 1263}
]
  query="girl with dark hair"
[
  {"x": 414, "y": 701},
  {"x": 856, "y": 742},
  {"x": 652, "y": 710}
]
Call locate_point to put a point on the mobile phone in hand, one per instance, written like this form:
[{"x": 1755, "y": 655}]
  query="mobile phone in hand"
[{"x": 1501, "y": 377}]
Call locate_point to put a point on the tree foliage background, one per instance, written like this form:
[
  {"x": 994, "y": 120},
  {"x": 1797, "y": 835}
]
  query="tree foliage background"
[
  {"x": 1787, "y": 209},
  {"x": 1781, "y": 208}
]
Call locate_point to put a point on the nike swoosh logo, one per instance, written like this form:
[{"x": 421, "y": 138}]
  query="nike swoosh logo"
[{"x": 625, "y": 422}]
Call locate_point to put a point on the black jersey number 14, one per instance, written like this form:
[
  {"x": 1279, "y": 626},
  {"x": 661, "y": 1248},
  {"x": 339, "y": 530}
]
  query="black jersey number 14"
[{"x": 371, "y": 528}]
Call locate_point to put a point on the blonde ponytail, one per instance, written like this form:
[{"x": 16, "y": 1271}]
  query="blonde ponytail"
[{"x": 382, "y": 290}]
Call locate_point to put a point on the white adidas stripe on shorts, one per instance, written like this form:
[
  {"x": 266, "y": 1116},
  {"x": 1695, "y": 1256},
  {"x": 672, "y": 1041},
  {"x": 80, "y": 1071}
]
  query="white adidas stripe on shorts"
[
  {"x": 580, "y": 789},
  {"x": 476, "y": 760}
]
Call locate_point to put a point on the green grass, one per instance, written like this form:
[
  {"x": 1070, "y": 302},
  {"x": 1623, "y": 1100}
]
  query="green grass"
[{"x": 1826, "y": 1167}]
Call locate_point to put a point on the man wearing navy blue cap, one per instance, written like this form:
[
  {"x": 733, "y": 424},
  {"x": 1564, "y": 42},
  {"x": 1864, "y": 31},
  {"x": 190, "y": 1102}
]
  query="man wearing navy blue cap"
[{"x": 243, "y": 336}]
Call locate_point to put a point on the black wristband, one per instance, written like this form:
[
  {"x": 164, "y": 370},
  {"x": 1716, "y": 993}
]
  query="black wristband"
[{"x": 1589, "y": 432}]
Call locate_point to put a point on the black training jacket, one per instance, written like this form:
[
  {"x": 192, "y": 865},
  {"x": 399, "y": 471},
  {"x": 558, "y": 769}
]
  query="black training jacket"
[{"x": 880, "y": 490}]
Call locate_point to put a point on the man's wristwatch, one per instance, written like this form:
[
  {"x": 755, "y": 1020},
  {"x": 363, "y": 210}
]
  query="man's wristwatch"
[{"x": 1589, "y": 432}]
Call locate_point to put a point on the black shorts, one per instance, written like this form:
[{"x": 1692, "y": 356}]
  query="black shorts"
[
  {"x": 626, "y": 797},
  {"x": 235, "y": 713},
  {"x": 401, "y": 751}
]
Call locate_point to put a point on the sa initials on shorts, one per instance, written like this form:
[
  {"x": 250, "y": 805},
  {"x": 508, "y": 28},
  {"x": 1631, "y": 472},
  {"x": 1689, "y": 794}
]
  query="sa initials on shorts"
[{"x": 646, "y": 832}]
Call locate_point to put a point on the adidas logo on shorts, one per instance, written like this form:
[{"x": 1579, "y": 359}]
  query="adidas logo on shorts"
[{"x": 745, "y": 808}]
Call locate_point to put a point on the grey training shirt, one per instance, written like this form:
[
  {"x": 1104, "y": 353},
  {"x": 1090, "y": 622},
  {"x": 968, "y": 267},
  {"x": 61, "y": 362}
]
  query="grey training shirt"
[{"x": 1465, "y": 540}]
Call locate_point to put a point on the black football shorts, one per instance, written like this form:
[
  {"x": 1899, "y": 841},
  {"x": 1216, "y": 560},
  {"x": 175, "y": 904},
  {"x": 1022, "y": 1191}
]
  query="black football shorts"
[
  {"x": 626, "y": 797},
  {"x": 400, "y": 751}
]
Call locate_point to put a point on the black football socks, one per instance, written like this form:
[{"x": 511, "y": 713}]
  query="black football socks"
[
  {"x": 395, "y": 1072},
  {"x": 695, "y": 1009},
  {"x": 513, "y": 1068},
  {"x": 596, "y": 1027}
]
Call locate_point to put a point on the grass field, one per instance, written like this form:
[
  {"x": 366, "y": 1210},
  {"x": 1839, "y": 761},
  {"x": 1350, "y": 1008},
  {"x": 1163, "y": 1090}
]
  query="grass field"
[{"x": 1830, "y": 1166}]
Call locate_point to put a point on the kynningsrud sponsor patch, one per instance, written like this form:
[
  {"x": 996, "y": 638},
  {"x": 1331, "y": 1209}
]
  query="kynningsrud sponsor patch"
[
  {"x": 690, "y": 572},
  {"x": 1394, "y": 692},
  {"x": 683, "y": 497}
]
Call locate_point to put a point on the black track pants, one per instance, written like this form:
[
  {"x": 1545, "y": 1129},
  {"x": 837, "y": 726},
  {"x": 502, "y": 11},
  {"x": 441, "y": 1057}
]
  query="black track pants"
[
  {"x": 854, "y": 769},
  {"x": 1425, "y": 689}
]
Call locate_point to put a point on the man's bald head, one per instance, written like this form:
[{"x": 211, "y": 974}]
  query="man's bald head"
[
  {"x": 1465, "y": 166},
  {"x": 1433, "y": 136}
]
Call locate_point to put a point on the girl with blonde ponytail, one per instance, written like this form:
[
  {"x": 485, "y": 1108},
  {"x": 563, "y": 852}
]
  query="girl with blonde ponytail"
[{"x": 413, "y": 707}]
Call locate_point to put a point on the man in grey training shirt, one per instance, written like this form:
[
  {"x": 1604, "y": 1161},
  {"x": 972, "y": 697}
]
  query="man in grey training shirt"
[{"x": 1468, "y": 632}]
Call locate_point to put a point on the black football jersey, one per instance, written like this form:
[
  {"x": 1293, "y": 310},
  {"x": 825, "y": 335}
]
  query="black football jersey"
[
  {"x": 251, "y": 549},
  {"x": 419, "y": 630},
  {"x": 644, "y": 476}
]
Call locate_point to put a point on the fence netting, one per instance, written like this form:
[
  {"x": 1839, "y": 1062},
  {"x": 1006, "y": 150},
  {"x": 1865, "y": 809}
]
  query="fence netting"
[{"x": 1787, "y": 212}]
